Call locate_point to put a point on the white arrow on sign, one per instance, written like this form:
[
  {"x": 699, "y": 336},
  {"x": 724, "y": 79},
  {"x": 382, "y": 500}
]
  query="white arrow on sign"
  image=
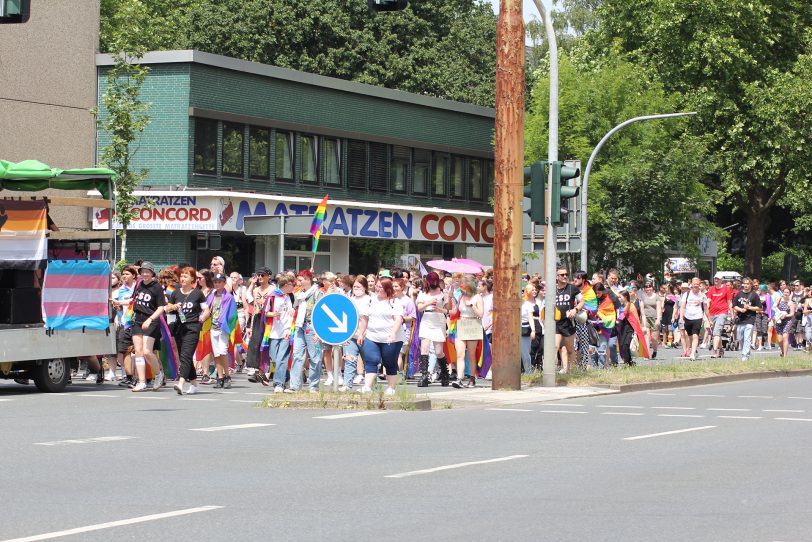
[{"x": 340, "y": 325}]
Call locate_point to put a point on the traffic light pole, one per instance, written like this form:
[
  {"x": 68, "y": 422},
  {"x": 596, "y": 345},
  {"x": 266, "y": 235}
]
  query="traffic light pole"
[
  {"x": 550, "y": 257},
  {"x": 585, "y": 181},
  {"x": 508, "y": 192}
]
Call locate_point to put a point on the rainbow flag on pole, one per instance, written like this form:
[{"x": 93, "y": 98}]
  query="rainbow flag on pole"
[{"x": 318, "y": 220}]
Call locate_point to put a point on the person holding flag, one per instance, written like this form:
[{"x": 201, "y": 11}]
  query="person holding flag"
[
  {"x": 315, "y": 227},
  {"x": 221, "y": 333},
  {"x": 278, "y": 316}
]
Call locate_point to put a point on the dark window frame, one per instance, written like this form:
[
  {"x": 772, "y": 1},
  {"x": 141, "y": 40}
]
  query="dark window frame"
[
  {"x": 339, "y": 155},
  {"x": 238, "y": 129},
  {"x": 291, "y": 139},
  {"x": 300, "y": 158},
  {"x": 470, "y": 181},
  {"x": 251, "y": 131},
  {"x": 199, "y": 124},
  {"x": 446, "y": 171},
  {"x": 463, "y": 177},
  {"x": 405, "y": 152}
]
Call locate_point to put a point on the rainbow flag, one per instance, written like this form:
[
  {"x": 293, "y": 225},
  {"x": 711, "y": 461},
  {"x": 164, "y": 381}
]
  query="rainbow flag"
[
  {"x": 633, "y": 319},
  {"x": 450, "y": 348},
  {"x": 483, "y": 356},
  {"x": 23, "y": 244},
  {"x": 414, "y": 348},
  {"x": 590, "y": 299},
  {"x": 318, "y": 220},
  {"x": 228, "y": 323},
  {"x": 607, "y": 314},
  {"x": 168, "y": 353},
  {"x": 75, "y": 294}
]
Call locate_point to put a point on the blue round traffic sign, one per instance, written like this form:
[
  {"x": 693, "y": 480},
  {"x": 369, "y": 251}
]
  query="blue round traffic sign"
[{"x": 335, "y": 319}]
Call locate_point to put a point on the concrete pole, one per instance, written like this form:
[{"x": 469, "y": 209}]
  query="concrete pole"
[
  {"x": 585, "y": 182},
  {"x": 550, "y": 253},
  {"x": 508, "y": 193}
]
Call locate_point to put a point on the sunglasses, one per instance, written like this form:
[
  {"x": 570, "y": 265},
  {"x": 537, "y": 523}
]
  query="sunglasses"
[{"x": 563, "y": 274}]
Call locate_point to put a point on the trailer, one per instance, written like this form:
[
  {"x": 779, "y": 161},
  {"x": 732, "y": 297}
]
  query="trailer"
[{"x": 33, "y": 345}]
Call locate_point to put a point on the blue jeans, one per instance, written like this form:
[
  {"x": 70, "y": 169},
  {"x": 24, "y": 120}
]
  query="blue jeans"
[
  {"x": 603, "y": 345},
  {"x": 386, "y": 353},
  {"x": 744, "y": 332},
  {"x": 305, "y": 343},
  {"x": 613, "y": 350},
  {"x": 280, "y": 352},
  {"x": 525, "y": 343},
  {"x": 351, "y": 352}
]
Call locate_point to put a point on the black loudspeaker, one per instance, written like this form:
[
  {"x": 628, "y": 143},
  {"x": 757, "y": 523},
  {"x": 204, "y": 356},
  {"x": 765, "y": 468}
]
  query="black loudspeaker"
[{"x": 20, "y": 306}]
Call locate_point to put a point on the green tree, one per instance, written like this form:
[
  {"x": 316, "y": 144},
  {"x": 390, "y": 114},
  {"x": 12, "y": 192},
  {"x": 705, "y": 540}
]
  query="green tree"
[
  {"x": 124, "y": 114},
  {"x": 645, "y": 194},
  {"x": 744, "y": 67}
]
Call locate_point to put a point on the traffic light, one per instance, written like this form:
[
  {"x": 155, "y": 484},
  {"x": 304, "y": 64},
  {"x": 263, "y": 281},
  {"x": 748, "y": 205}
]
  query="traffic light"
[
  {"x": 536, "y": 176},
  {"x": 562, "y": 191},
  {"x": 386, "y": 5},
  {"x": 14, "y": 11}
]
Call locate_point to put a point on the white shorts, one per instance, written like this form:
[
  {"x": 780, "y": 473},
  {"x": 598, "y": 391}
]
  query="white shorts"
[{"x": 219, "y": 342}]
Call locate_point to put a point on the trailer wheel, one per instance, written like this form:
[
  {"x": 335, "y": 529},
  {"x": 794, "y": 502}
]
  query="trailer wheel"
[{"x": 52, "y": 375}]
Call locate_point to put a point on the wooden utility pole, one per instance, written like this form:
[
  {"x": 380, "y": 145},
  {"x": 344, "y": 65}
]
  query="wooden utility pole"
[{"x": 508, "y": 193}]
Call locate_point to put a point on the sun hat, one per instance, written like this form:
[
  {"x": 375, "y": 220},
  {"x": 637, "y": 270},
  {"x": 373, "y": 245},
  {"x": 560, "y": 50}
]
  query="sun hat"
[{"x": 148, "y": 266}]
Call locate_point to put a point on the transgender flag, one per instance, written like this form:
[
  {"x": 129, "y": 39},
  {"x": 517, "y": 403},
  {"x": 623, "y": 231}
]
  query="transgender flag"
[{"x": 76, "y": 294}]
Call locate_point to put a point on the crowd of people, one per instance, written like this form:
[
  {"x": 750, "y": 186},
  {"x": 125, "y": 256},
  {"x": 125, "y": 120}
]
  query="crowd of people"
[{"x": 428, "y": 326}]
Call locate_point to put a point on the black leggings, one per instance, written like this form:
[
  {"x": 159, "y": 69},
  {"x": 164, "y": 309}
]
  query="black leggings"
[
  {"x": 624, "y": 341},
  {"x": 186, "y": 337},
  {"x": 252, "y": 359}
]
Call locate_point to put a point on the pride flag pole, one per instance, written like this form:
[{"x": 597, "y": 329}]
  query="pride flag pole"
[{"x": 315, "y": 229}]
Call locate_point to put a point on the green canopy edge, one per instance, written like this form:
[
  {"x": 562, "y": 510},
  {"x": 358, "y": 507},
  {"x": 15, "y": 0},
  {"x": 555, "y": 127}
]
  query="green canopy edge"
[{"x": 32, "y": 175}]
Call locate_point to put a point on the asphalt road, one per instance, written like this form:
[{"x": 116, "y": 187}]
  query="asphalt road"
[{"x": 721, "y": 462}]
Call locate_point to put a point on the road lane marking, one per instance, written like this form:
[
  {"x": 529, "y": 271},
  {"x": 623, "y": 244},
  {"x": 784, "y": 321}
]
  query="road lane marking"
[
  {"x": 511, "y": 409},
  {"x": 198, "y": 399},
  {"x": 254, "y": 401},
  {"x": 3, "y": 400},
  {"x": 269, "y": 392},
  {"x": 618, "y": 406},
  {"x": 654, "y": 393},
  {"x": 111, "y": 524},
  {"x": 564, "y": 404},
  {"x": 673, "y": 408},
  {"x": 796, "y": 419},
  {"x": 671, "y": 432},
  {"x": 97, "y": 395},
  {"x": 754, "y": 396},
  {"x": 680, "y": 415},
  {"x": 807, "y": 398},
  {"x": 792, "y": 411},
  {"x": 454, "y": 466},
  {"x": 623, "y": 413},
  {"x": 705, "y": 395},
  {"x": 82, "y": 441},
  {"x": 229, "y": 427},
  {"x": 741, "y": 417},
  {"x": 147, "y": 397},
  {"x": 350, "y": 415},
  {"x": 564, "y": 411},
  {"x": 730, "y": 409}
]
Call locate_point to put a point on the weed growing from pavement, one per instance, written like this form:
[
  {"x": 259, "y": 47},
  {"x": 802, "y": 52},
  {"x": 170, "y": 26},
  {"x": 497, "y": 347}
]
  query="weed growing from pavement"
[{"x": 681, "y": 370}]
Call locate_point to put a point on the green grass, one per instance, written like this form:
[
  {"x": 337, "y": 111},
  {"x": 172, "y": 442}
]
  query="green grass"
[
  {"x": 674, "y": 371},
  {"x": 328, "y": 399}
]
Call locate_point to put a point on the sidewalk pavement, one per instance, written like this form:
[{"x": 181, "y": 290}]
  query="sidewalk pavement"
[{"x": 486, "y": 397}]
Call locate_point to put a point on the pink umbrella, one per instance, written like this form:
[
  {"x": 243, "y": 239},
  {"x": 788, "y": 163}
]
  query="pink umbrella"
[
  {"x": 466, "y": 261},
  {"x": 454, "y": 266}
]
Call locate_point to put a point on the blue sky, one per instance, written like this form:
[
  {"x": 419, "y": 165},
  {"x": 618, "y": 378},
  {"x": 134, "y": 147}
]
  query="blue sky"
[{"x": 528, "y": 6}]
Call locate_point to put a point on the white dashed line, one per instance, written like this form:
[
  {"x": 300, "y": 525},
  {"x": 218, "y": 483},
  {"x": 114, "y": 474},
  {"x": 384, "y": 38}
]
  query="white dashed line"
[
  {"x": 755, "y": 396},
  {"x": 741, "y": 417},
  {"x": 510, "y": 409},
  {"x": 147, "y": 397},
  {"x": 575, "y": 405},
  {"x": 796, "y": 419},
  {"x": 197, "y": 399},
  {"x": 350, "y": 415},
  {"x": 564, "y": 411},
  {"x": 623, "y": 413},
  {"x": 618, "y": 406},
  {"x": 671, "y": 432},
  {"x": 788, "y": 411},
  {"x": 729, "y": 409},
  {"x": 673, "y": 408},
  {"x": 6, "y": 400},
  {"x": 82, "y": 441},
  {"x": 96, "y": 395},
  {"x": 243, "y": 401},
  {"x": 229, "y": 427},
  {"x": 680, "y": 415},
  {"x": 653, "y": 393},
  {"x": 455, "y": 466},
  {"x": 806, "y": 398},
  {"x": 705, "y": 395}
]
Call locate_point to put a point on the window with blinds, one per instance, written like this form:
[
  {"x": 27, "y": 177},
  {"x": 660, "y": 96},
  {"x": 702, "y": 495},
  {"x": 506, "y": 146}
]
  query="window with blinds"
[
  {"x": 379, "y": 167},
  {"x": 357, "y": 164}
]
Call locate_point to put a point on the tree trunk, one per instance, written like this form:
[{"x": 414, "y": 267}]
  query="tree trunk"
[
  {"x": 757, "y": 222},
  {"x": 123, "y": 237}
]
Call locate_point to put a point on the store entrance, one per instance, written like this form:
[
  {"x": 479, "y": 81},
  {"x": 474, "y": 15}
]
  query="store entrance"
[{"x": 236, "y": 249}]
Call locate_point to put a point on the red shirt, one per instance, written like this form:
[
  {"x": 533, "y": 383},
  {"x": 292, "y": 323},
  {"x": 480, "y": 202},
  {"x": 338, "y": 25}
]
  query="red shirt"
[{"x": 719, "y": 299}]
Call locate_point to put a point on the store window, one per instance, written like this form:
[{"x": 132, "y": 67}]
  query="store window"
[
  {"x": 439, "y": 172},
  {"x": 457, "y": 176},
  {"x": 488, "y": 176},
  {"x": 422, "y": 168},
  {"x": 399, "y": 168},
  {"x": 205, "y": 146},
  {"x": 332, "y": 160},
  {"x": 259, "y": 153},
  {"x": 232, "y": 149},
  {"x": 283, "y": 156},
  {"x": 475, "y": 179},
  {"x": 357, "y": 164},
  {"x": 308, "y": 159}
]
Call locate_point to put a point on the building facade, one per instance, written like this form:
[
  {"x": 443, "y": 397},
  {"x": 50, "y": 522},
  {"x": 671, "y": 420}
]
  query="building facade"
[{"x": 229, "y": 139}]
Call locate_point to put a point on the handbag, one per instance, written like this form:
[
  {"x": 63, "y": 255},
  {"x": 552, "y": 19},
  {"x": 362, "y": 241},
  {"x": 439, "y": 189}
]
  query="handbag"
[
  {"x": 525, "y": 330},
  {"x": 592, "y": 335}
]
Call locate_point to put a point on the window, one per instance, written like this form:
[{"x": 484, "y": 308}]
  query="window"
[
  {"x": 205, "y": 146},
  {"x": 438, "y": 177},
  {"x": 357, "y": 164},
  {"x": 489, "y": 177},
  {"x": 332, "y": 160},
  {"x": 399, "y": 168},
  {"x": 378, "y": 164},
  {"x": 457, "y": 174},
  {"x": 308, "y": 159},
  {"x": 232, "y": 149},
  {"x": 259, "y": 153},
  {"x": 283, "y": 155},
  {"x": 422, "y": 167},
  {"x": 475, "y": 179}
]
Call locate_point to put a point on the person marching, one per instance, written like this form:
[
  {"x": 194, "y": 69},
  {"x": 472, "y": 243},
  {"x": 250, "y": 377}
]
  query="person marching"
[
  {"x": 148, "y": 306},
  {"x": 190, "y": 306},
  {"x": 305, "y": 343},
  {"x": 224, "y": 334},
  {"x": 469, "y": 332},
  {"x": 378, "y": 336},
  {"x": 259, "y": 288},
  {"x": 568, "y": 301},
  {"x": 279, "y": 309},
  {"x": 433, "y": 303}
]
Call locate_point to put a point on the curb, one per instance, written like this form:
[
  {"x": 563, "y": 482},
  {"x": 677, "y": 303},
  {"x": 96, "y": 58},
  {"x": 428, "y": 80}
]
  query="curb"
[{"x": 644, "y": 386}]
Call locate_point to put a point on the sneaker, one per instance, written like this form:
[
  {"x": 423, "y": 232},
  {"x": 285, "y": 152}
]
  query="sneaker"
[
  {"x": 205, "y": 379},
  {"x": 329, "y": 381},
  {"x": 178, "y": 389},
  {"x": 314, "y": 390},
  {"x": 141, "y": 386},
  {"x": 127, "y": 381},
  {"x": 192, "y": 390},
  {"x": 457, "y": 384},
  {"x": 287, "y": 390},
  {"x": 433, "y": 377},
  {"x": 110, "y": 376},
  {"x": 227, "y": 383},
  {"x": 381, "y": 376},
  {"x": 261, "y": 378},
  {"x": 340, "y": 380},
  {"x": 562, "y": 371},
  {"x": 279, "y": 389},
  {"x": 389, "y": 392},
  {"x": 654, "y": 354},
  {"x": 363, "y": 390},
  {"x": 91, "y": 377},
  {"x": 344, "y": 389},
  {"x": 359, "y": 379},
  {"x": 159, "y": 381},
  {"x": 100, "y": 377},
  {"x": 744, "y": 359}
]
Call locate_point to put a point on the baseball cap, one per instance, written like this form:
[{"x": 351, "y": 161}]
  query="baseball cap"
[
  {"x": 719, "y": 276},
  {"x": 684, "y": 285},
  {"x": 218, "y": 276},
  {"x": 147, "y": 265},
  {"x": 263, "y": 271},
  {"x": 385, "y": 274}
]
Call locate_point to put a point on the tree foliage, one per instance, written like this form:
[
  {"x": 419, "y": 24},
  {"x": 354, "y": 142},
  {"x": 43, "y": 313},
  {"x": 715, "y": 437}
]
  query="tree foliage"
[{"x": 442, "y": 48}]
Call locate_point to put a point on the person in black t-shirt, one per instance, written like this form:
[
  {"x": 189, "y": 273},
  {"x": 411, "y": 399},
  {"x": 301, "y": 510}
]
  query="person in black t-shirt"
[
  {"x": 568, "y": 301},
  {"x": 147, "y": 309},
  {"x": 188, "y": 305},
  {"x": 746, "y": 304}
]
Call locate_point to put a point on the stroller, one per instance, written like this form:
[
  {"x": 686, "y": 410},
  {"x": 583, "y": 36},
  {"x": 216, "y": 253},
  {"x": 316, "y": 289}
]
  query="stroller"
[{"x": 729, "y": 340}]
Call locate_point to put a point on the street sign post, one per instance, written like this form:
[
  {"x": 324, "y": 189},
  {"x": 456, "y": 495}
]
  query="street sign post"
[{"x": 335, "y": 320}]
